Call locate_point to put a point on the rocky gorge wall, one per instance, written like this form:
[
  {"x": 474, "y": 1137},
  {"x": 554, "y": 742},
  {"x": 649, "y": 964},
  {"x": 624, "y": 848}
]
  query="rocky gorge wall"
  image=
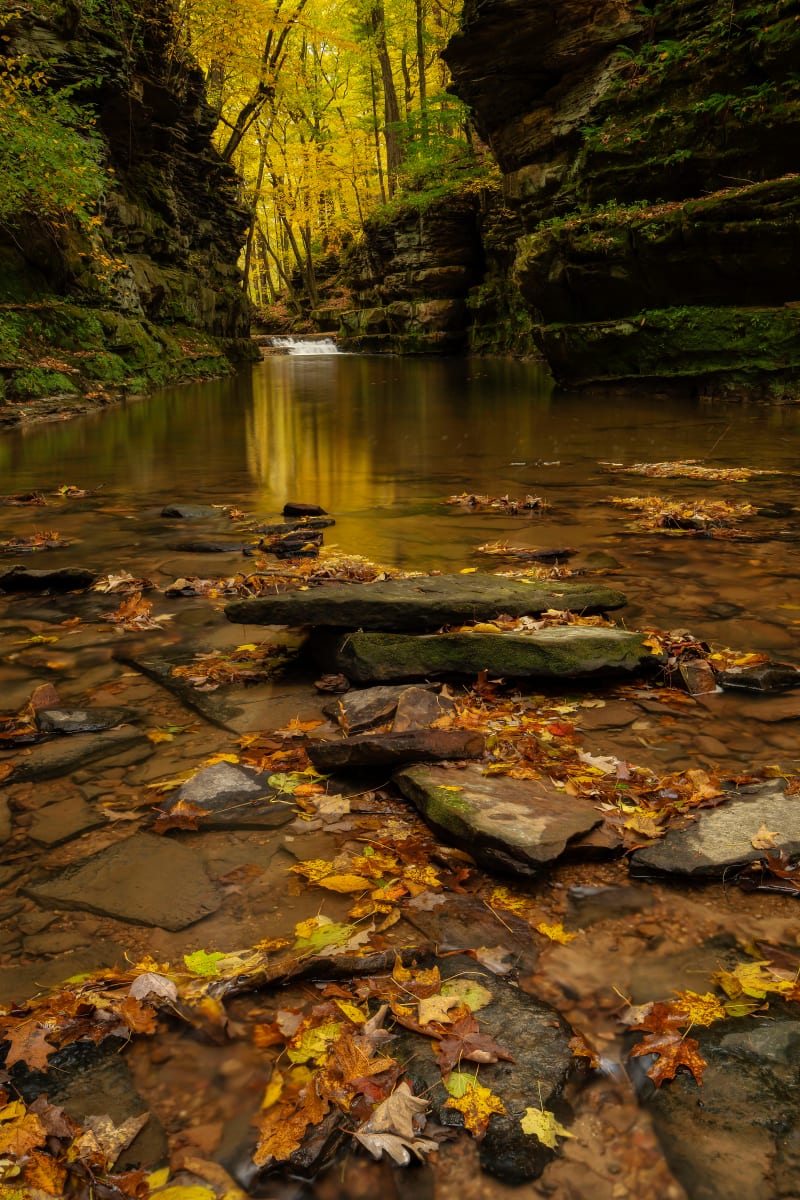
[
  {"x": 649, "y": 221},
  {"x": 155, "y": 295}
]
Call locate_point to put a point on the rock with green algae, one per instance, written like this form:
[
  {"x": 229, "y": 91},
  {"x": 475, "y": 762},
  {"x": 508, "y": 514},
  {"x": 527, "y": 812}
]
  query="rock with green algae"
[
  {"x": 561, "y": 652},
  {"x": 422, "y": 604},
  {"x": 508, "y": 825}
]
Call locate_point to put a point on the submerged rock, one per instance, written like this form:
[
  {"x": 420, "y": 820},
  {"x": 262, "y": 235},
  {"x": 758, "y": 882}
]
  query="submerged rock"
[
  {"x": 736, "y": 1137},
  {"x": 64, "y": 820},
  {"x": 720, "y": 839},
  {"x": 55, "y": 758},
  {"x": 562, "y": 652},
  {"x": 62, "y": 579},
  {"x": 233, "y": 797},
  {"x": 80, "y": 720},
  {"x": 293, "y": 509},
  {"x": 145, "y": 880},
  {"x": 422, "y": 604},
  {"x": 506, "y": 824},
  {"x": 393, "y": 749},
  {"x": 189, "y": 512}
]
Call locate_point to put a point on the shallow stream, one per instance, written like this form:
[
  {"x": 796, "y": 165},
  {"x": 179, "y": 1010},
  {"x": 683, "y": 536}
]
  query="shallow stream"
[{"x": 381, "y": 444}]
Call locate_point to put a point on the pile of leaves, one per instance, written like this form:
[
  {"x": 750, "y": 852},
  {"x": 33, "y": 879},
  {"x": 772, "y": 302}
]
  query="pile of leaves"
[
  {"x": 666, "y": 1024},
  {"x": 548, "y": 619},
  {"x": 253, "y": 662},
  {"x": 506, "y": 504},
  {"x": 503, "y": 550},
  {"x": 714, "y": 517},
  {"x": 689, "y": 468},
  {"x": 123, "y": 584},
  {"x": 136, "y": 614},
  {"x": 31, "y": 543},
  {"x": 25, "y": 498}
]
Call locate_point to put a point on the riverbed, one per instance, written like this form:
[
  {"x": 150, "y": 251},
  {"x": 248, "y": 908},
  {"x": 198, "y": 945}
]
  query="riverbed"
[{"x": 444, "y": 465}]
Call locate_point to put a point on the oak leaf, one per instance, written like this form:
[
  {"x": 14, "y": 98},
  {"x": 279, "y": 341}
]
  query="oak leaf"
[{"x": 673, "y": 1051}]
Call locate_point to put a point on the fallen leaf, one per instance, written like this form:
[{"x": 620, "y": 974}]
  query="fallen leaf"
[
  {"x": 399, "y": 1149},
  {"x": 203, "y": 963},
  {"x": 556, "y": 933},
  {"x": 764, "y": 839},
  {"x": 674, "y": 1050},
  {"x": 542, "y": 1124},
  {"x": 476, "y": 1103}
]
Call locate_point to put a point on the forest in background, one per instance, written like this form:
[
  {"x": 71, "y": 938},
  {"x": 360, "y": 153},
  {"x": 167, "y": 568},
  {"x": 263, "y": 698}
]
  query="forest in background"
[{"x": 327, "y": 109}]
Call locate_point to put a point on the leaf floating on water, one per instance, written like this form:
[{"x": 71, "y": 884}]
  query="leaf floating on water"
[
  {"x": 556, "y": 933},
  {"x": 540, "y": 1123},
  {"x": 203, "y": 963},
  {"x": 688, "y": 516},
  {"x": 674, "y": 1050},
  {"x": 502, "y": 503}
]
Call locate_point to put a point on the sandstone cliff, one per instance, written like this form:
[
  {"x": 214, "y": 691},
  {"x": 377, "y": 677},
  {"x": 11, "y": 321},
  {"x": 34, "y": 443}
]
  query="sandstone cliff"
[
  {"x": 157, "y": 297},
  {"x": 649, "y": 151}
]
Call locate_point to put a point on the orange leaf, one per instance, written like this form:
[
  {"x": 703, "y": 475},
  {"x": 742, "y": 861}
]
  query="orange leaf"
[{"x": 673, "y": 1051}]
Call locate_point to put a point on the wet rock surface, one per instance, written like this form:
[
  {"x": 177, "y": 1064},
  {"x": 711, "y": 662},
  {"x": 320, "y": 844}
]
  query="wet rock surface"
[
  {"x": 81, "y": 720},
  {"x": 766, "y": 677},
  {"x": 52, "y": 759},
  {"x": 143, "y": 879},
  {"x": 722, "y": 839},
  {"x": 562, "y": 652},
  {"x": 233, "y": 797},
  {"x": 421, "y": 604},
  {"x": 393, "y": 749},
  {"x": 64, "y": 820},
  {"x": 509, "y": 825},
  {"x": 35, "y": 579},
  {"x": 741, "y": 1142}
]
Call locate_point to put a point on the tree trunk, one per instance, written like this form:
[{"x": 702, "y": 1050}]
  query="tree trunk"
[
  {"x": 423, "y": 85},
  {"x": 391, "y": 109}
]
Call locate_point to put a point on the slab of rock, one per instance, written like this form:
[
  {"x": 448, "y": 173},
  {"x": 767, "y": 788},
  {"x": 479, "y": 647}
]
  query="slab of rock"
[
  {"x": 698, "y": 677},
  {"x": 764, "y": 677},
  {"x": 589, "y": 904},
  {"x": 423, "y": 604},
  {"x": 406, "y": 707},
  {"x": 62, "y": 579},
  {"x": 233, "y": 797},
  {"x": 293, "y": 526},
  {"x": 80, "y": 720},
  {"x": 742, "y": 1140},
  {"x": 18, "y": 984},
  {"x": 145, "y": 880},
  {"x": 51, "y": 759},
  {"x": 721, "y": 838},
  {"x": 189, "y": 512},
  {"x": 506, "y": 824},
  {"x": 209, "y": 547},
  {"x": 64, "y": 820},
  {"x": 562, "y": 652},
  {"x": 5, "y": 820},
  {"x": 394, "y": 749},
  {"x": 535, "y": 1035}
]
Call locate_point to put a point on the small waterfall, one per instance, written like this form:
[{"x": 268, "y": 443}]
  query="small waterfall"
[{"x": 303, "y": 345}]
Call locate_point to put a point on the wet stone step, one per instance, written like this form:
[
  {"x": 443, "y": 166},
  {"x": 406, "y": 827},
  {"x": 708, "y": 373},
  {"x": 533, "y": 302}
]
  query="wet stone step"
[
  {"x": 51, "y": 759},
  {"x": 395, "y": 749},
  {"x": 561, "y": 652},
  {"x": 32, "y": 579},
  {"x": 508, "y": 825},
  {"x": 233, "y": 797},
  {"x": 423, "y": 604}
]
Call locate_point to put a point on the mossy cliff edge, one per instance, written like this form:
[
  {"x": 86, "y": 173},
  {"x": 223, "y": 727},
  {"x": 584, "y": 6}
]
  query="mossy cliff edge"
[
  {"x": 649, "y": 151},
  {"x": 148, "y": 291}
]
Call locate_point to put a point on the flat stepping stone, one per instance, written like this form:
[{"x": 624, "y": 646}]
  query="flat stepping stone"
[
  {"x": 233, "y": 798},
  {"x": 765, "y": 677},
  {"x": 29, "y": 579},
  {"x": 292, "y": 526},
  {"x": 506, "y": 824},
  {"x": 394, "y": 749},
  {"x": 18, "y": 984},
  {"x": 144, "y": 880},
  {"x": 209, "y": 547},
  {"x": 562, "y": 652},
  {"x": 81, "y": 720},
  {"x": 51, "y": 759},
  {"x": 64, "y": 820},
  {"x": 721, "y": 838},
  {"x": 423, "y": 604}
]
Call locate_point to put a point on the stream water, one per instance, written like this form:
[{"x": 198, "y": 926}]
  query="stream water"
[{"x": 381, "y": 443}]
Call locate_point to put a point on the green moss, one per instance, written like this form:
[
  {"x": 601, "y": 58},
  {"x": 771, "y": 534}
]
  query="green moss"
[{"x": 35, "y": 382}]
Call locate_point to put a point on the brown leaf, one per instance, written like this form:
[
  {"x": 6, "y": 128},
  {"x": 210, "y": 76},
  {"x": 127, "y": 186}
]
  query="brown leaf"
[
  {"x": 182, "y": 815},
  {"x": 29, "y": 1044},
  {"x": 673, "y": 1051}
]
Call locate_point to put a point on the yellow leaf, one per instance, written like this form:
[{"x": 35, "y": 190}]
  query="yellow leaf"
[
  {"x": 700, "y": 1010},
  {"x": 475, "y": 1102},
  {"x": 467, "y": 570},
  {"x": 556, "y": 933},
  {"x": 313, "y": 1043},
  {"x": 343, "y": 883},
  {"x": 185, "y": 1192},
  {"x": 752, "y": 979},
  {"x": 158, "y": 1178},
  {"x": 351, "y": 1012},
  {"x": 159, "y": 735},
  {"x": 274, "y": 1090},
  {"x": 220, "y": 758},
  {"x": 542, "y": 1124}
]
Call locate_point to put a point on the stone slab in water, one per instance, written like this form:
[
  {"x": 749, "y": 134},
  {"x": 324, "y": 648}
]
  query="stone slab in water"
[
  {"x": 292, "y": 526},
  {"x": 741, "y": 1141},
  {"x": 234, "y": 797},
  {"x": 62, "y": 579},
  {"x": 720, "y": 839},
  {"x": 421, "y": 604},
  {"x": 535, "y": 1035},
  {"x": 394, "y": 749},
  {"x": 51, "y": 759},
  {"x": 18, "y": 984},
  {"x": 144, "y": 880},
  {"x": 80, "y": 720},
  {"x": 412, "y": 706},
  {"x": 209, "y": 547},
  {"x": 562, "y": 652},
  {"x": 506, "y": 824},
  {"x": 64, "y": 820},
  {"x": 190, "y": 512}
]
